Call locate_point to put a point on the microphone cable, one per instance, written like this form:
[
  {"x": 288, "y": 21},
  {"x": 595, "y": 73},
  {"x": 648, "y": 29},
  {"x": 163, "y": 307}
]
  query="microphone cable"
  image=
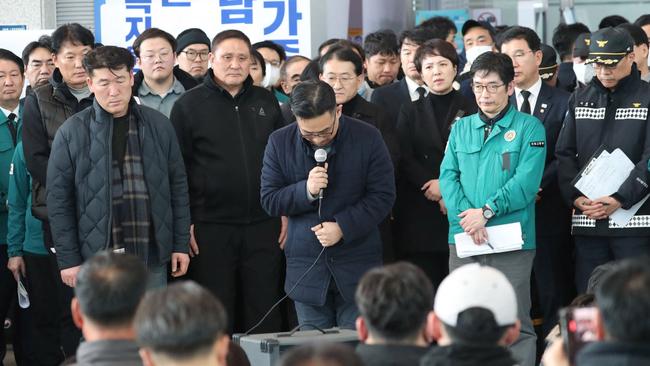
[{"x": 320, "y": 202}]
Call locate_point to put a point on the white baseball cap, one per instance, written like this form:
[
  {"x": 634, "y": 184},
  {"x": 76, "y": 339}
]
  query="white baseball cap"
[{"x": 473, "y": 285}]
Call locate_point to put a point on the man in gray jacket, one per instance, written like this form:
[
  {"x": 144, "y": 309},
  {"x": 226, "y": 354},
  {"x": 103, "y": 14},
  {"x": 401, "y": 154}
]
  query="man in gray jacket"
[{"x": 116, "y": 178}]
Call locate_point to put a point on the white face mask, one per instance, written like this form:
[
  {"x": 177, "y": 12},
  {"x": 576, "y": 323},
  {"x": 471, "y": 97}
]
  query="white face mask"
[
  {"x": 584, "y": 73},
  {"x": 272, "y": 76},
  {"x": 475, "y": 52}
]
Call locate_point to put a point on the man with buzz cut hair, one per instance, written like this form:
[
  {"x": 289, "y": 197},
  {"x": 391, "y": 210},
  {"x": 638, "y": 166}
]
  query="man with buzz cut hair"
[
  {"x": 222, "y": 127},
  {"x": 116, "y": 180},
  {"x": 183, "y": 324},
  {"x": 395, "y": 303}
]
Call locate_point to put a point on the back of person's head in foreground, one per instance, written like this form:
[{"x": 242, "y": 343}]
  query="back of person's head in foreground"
[
  {"x": 181, "y": 324},
  {"x": 108, "y": 290},
  {"x": 394, "y": 302},
  {"x": 324, "y": 354},
  {"x": 475, "y": 306},
  {"x": 623, "y": 299}
]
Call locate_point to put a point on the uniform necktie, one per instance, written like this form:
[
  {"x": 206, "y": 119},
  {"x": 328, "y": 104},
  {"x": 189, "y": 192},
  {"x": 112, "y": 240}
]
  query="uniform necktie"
[
  {"x": 11, "y": 118},
  {"x": 525, "y": 106}
]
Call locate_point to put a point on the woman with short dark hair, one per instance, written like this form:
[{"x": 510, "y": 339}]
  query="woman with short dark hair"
[{"x": 423, "y": 128}]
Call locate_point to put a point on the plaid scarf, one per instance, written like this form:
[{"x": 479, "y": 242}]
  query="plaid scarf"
[{"x": 131, "y": 214}]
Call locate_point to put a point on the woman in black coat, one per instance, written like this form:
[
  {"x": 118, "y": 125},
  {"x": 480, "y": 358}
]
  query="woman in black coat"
[{"x": 423, "y": 128}]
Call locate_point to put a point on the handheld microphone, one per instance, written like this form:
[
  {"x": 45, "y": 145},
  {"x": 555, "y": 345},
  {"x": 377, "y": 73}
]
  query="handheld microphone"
[{"x": 320, "y": 155}]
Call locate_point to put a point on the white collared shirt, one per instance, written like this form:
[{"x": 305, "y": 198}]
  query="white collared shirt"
[
  {"x": 532, "y": 99},
  {"x": 8, "y": 112},
  {"x": 413, "y": 89}
]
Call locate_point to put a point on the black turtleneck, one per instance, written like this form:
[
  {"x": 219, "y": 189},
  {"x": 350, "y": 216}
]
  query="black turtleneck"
[
  {"x": 441, "y": 104},
  {"x": 120, "y": 130},
  {"x": 491, "y": 121}
]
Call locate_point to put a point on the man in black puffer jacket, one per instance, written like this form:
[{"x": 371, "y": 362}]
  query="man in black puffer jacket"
[{"x": 116, "y": 179}]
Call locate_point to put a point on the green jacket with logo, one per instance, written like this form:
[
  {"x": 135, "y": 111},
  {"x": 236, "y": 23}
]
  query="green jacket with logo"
[
  {"x": 504, "y": 171},
  {"x": 6, "y": 154}
]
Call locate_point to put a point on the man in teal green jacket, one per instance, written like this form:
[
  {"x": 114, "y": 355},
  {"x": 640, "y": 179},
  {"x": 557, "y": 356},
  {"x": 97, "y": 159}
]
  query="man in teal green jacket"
[
  {"x": 490, "y": 175},
  {"x": 12, "y": 78},
  {"x": 29, "y": 259}
]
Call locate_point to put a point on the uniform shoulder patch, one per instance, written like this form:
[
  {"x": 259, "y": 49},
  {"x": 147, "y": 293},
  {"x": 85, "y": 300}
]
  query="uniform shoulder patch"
[{"x": 537, "y": 143}]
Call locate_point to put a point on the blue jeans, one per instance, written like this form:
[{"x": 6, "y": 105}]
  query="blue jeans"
[{"x": 336, "y": 312}]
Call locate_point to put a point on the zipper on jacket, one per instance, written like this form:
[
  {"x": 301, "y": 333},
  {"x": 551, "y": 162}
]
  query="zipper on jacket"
[
  {"x": 243, "y": 148},
  {"x": 109, "y": 232}
]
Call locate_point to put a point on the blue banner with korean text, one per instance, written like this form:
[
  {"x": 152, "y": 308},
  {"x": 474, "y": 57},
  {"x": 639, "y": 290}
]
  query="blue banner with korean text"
[{"x": 287, "y": 22}]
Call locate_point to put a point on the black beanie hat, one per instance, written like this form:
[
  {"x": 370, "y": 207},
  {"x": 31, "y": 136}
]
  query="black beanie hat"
[{"x": 191, "y": 36}]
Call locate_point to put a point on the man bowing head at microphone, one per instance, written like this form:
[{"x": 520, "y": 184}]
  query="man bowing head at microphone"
[{"x": 333, "y": 177}]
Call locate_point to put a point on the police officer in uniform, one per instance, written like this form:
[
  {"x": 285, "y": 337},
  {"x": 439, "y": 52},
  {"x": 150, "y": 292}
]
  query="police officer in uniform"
[{"x": 609, "y": 112}]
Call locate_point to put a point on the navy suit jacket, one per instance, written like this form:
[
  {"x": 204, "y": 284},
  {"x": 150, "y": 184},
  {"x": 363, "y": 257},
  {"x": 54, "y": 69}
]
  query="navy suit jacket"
[
  {"x": 359, "y": 196},
  {"x": 391, "y": 97},
  {"x": 551, "y": 108}
]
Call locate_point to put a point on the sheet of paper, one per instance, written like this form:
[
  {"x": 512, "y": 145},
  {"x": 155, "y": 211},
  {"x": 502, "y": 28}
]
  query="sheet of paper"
[
  {"x": 622, "y": 217},
  {"x": 605, "y": 175},
  {"x": 503, "y": 238}
]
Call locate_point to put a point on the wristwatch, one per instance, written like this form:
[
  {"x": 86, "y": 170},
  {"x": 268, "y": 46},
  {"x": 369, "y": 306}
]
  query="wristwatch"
[{"x": 488, "y": 213}]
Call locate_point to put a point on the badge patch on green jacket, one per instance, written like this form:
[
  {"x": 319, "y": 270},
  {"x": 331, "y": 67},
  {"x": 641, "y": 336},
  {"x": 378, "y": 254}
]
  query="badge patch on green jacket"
[
  {"x": 510, "y": 135},
  {"x": 537, "y": 143}
]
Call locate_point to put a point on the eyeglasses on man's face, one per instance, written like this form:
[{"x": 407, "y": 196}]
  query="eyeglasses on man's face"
[
  {"x": 192, "y": 54},
  {"x": 491, "y": 88},
  {"x": 324, "y": 133}
]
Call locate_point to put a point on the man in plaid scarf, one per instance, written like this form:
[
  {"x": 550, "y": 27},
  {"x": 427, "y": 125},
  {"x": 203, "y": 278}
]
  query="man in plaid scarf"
[{"x": 116, "y": 179}]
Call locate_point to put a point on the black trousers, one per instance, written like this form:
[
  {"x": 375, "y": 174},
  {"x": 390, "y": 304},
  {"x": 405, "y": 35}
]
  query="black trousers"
[
  {"x": 554, "y": 277},
  {"x": 58, "y": 295},
  {"x": 50, "y": 331},
  {"x": 7, "y": 299},
  {"x": 241, "y": 265},
  {"x": 592, "y": 251}
]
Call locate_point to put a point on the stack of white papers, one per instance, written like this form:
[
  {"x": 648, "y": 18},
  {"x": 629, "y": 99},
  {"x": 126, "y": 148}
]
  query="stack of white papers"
[
  {"x": 604, "y": 176},
  {"x": 503, "y": 238}
]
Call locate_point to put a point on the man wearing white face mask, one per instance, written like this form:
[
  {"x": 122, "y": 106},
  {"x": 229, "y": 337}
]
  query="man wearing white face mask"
[
  {"x": 274, "y": 56},
  {"x": 478, "y": 38},
  {"x": 584, "y": 72}
]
